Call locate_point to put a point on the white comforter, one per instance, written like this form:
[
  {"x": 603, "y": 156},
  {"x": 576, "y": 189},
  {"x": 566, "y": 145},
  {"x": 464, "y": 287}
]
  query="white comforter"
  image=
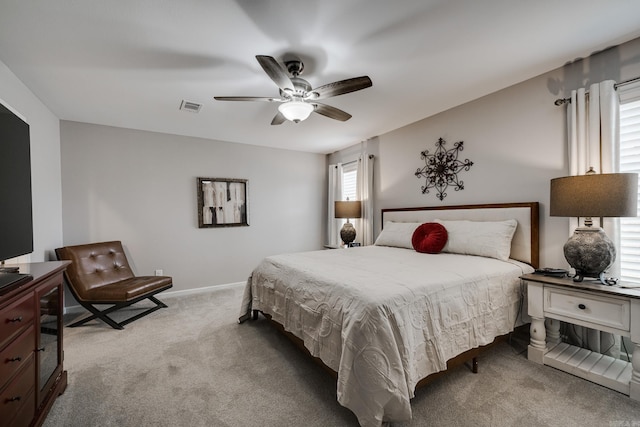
[{"x": 384, "y": 318}]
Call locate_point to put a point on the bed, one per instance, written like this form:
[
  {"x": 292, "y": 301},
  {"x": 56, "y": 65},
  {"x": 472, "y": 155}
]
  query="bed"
[{"x": 386, "y": 317}]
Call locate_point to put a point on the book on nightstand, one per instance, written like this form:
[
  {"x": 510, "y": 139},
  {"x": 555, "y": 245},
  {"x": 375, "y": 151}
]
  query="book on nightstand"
[{"x": 552, "y": 272}]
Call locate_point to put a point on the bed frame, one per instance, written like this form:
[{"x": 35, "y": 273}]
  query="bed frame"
[{"x": 524, "y": 247}]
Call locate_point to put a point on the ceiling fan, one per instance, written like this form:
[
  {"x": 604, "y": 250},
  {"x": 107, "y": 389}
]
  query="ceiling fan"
[{"x": 298, "y": 100}]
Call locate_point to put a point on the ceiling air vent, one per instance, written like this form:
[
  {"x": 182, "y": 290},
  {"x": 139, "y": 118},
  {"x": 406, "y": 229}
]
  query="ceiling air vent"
[{"x": 190, "y": 106}]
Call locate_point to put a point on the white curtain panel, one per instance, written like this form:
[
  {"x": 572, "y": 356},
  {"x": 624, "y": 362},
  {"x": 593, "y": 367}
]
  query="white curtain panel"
[
  {"x": 594, "y": 141},
  {"x": 334, "y": 193},
  {"x": 364, "y": 193}
]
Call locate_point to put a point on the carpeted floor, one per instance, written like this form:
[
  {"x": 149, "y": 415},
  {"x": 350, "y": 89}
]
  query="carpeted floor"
[{"x": 193, "y": 365}]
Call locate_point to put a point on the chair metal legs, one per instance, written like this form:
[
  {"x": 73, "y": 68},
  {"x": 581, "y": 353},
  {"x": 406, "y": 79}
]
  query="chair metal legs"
[{"x": 103, "y": 314}]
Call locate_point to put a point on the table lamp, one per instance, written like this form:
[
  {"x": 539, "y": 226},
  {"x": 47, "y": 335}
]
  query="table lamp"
[
  {"x": 589, "y": 251},
  {"x": 348, "y": 209}
]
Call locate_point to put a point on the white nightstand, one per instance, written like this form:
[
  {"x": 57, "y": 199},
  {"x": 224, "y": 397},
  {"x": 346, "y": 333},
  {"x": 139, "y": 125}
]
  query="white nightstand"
[{"x": 606, "y": 308}]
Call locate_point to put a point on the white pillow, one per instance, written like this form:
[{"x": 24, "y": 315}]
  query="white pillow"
[
  {"x": 397, "y": 234},
  {"x": 483, "y": 238}
]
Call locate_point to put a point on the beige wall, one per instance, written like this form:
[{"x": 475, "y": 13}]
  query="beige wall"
[
  {"x": 140, "y": 187},
  {"x": 515, "y": 137}
]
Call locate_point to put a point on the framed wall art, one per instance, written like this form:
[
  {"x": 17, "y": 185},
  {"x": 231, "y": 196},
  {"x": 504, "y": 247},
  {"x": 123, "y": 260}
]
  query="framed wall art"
[{"x": 223, "y": 202}]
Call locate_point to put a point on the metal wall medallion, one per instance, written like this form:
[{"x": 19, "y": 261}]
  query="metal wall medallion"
[{"x": 442, "y": 167}]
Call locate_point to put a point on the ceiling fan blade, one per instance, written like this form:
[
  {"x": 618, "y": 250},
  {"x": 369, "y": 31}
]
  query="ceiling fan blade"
[
  {"x": 278, "y": 119},
  {"x": 275, "y": 72},
  {"x": 341, "y": 87},
  {"x": 246, "y": 98},
  {"x": 331, "y": 112}
]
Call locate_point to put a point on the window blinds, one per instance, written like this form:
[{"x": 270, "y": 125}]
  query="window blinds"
[
  {"x": 349, "y": 180},
  {"x": 630, "y": 162}
]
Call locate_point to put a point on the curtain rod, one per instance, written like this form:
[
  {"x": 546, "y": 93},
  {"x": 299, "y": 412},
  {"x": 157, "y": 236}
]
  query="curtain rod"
[{"x": 561, "y": 101}]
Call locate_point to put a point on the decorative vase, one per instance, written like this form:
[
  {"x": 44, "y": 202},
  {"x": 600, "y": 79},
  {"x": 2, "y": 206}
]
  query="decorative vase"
[
  {"x": 590, "y": 252},
  {"x": 347, "y": 233}
]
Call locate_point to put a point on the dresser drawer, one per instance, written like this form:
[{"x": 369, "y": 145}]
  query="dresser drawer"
[
  {"x": 16, "y": 355},
  {"x": 601, "y": 310},
  {"x": 24, "y": 415},
  {"x": 18, "y": 400},
  {"x": 15, "y": 318}
]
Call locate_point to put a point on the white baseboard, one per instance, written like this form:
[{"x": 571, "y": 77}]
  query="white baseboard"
[
  {"x": 77, "y": 309},
  {"x": 202, "y": 290}
]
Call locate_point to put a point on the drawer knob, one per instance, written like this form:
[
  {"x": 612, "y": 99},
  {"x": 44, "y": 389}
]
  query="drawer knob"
[
  {"x": 16, "y": 319},
  {"x": 15, "y": 359},
  {"x": 13, "y": 399},
  {"x": 582, "y": 306}
]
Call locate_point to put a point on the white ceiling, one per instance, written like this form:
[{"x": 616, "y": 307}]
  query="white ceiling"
[{"x": 131, "y": 63}]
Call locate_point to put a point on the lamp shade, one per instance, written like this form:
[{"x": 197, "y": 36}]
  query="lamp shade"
[
  {"x": 348, "y": 209},
  {"x": 595, "y": 195},
  {"x": 296, "y": 111},
  {"x": 589, "y": 251}
]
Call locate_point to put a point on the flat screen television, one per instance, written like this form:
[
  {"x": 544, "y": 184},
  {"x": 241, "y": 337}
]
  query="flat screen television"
[{"x": 16, "y": 221}]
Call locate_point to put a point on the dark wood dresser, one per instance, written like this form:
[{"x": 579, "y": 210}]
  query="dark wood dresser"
[{"x": 31, "y": 354}]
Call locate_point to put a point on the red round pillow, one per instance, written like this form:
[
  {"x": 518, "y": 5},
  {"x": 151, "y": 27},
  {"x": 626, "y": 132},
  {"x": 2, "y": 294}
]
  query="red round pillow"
[{"x": 429, "y": 238}]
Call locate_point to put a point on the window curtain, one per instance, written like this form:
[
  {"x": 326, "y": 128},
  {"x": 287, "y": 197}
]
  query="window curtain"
[
  {"x": 594, "y": 140},
  {"x": 334, "y": 193},
  {"x": 364, "y": 193}
]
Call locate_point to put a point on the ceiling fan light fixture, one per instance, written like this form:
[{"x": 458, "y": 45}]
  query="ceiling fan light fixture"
[
  {"x": 296, "y": 111},
  {"x": 297, "y": 97}
]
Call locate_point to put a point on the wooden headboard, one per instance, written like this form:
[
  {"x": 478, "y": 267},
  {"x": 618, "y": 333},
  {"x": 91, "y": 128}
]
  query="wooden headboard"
[{"x": 525, "y": 243}]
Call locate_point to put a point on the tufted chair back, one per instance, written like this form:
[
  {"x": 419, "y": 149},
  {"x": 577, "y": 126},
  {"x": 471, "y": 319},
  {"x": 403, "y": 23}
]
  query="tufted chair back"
[{"x": 94, "y": 265}]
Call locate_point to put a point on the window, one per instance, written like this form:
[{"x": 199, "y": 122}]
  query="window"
[
  {"x": 630, "y": 162},
  {"x": 349, "y": 180}
]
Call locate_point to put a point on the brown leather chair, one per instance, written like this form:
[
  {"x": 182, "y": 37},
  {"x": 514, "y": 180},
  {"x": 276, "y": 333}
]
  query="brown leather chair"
[{"x": 99, "y": 274}]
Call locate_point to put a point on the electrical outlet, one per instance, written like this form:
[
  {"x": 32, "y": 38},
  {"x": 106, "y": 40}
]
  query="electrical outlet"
[{"x": 158, "y": 272}]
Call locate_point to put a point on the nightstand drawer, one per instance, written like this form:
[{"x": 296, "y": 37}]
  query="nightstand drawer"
[{"x": 600, "y": 310}]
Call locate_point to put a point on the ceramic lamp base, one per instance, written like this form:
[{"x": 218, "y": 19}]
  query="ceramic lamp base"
[
  {"x": 590, "y": 252},
  {"x": 347, "y": 233}
]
